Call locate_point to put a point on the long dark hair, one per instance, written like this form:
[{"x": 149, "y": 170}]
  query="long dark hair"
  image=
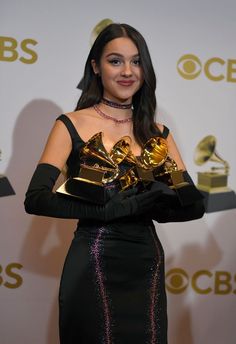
[{"x": 144, "y": 100}]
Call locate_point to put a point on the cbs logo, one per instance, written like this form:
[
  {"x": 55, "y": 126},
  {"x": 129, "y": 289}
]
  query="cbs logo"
[
  {"x": 216, "y": 69},
  {"x": 9, "y": 277},
  {"x": 202, "y": 282},
  {"x": 10, "y": 50}
]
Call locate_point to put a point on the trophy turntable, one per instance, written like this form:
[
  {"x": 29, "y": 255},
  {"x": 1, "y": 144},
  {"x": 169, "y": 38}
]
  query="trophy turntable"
[{"x": 213, "y": 183}]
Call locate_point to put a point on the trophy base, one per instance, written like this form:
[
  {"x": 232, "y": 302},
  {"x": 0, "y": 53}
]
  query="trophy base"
[
  {"x": 88, "y": 191},
  {"x": 217, "y": 201},
  {"x": 5, "y": 187}
]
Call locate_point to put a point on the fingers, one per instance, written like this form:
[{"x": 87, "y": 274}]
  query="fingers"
[
  {"x": 128, "y": 193},
  {"x": 148, "y": 197},
  {"x": 161, "y": 186}
]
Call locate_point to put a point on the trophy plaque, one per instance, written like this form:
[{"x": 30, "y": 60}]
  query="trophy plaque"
[{"x": 213, "y": 184}]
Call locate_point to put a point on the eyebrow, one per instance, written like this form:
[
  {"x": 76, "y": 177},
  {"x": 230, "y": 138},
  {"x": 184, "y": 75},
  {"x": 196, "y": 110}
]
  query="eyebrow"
[{"x": 120, "y": 55}]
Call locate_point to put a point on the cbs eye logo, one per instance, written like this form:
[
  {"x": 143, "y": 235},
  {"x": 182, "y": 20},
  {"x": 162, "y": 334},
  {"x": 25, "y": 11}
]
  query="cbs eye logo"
[
  {"x": 177, "y": 281},
  {"x": 11, "y": 50},
  {"x": 202, "y": 282},
  {"x": 190, "y": 67}
]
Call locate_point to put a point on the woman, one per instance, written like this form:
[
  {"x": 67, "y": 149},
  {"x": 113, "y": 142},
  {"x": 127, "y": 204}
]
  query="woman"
[{"x": 112, "y": 287}]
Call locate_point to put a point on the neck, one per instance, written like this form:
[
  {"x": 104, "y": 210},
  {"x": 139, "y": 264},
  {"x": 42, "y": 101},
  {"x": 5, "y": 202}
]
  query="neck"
[
  {"x": 117, "y": 105},
  {"x": 116, "y": 112}
]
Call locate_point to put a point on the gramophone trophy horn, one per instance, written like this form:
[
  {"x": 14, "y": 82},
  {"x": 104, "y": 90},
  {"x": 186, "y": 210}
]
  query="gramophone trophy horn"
[
  {"x": 120, "y": 150},
  {"x": 98, "y": 169},
  {"x": 142, "y": 167},
  {"x": 95, "y": 148},
  {"x": 153, "y": 164},
  {"x": 165, "y": 169},
  {"x": 154, "y": 152},
  {"x": 205, "y": 151},
  {"x": 213, "y": 183}
]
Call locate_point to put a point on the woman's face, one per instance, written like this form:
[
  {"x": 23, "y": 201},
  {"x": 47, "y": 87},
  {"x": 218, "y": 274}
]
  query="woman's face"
[{"x": 120, "y": 70}]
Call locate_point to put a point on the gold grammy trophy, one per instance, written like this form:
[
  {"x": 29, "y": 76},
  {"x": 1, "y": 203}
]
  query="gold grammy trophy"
[
  {"x": 154, "y": 164},
  {"x": 99, "y": 171},
  {"x": 5, "y": 186},
  {"x": 213, "y": 183}
]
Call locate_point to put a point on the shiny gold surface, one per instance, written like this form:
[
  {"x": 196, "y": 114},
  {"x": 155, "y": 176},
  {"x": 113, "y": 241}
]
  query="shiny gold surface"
[
  {"x": 120, "y": 150},
  {"x": 100, "y": 167},
  {"x": 154, "y": 152},
  {"x": 205, "y": 151},
  {"x": 104, "y": 161},
  {"x": 94, "y": 148}
]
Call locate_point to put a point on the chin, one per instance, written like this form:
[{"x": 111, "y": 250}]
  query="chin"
[{"x": 126, "y": 96}]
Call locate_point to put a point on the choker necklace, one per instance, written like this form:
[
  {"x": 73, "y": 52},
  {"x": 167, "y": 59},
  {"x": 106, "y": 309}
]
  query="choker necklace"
[
  {"x": 118, "y": 121},
  {"x": 116, "y": 105}
]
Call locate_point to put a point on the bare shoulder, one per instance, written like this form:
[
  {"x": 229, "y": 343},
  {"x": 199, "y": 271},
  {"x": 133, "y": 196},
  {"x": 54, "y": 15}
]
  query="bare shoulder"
[
  {"x": 58, "y": 146},
  {"x": 82, "y": 116},
  {"x": 86, "y": 122},
  {"x": 160, "y": 126}
]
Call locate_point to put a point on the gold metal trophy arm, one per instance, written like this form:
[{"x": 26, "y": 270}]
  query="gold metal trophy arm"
[
  {"x": 205, "y": 151},
  {"x": 98, "y": 168},
  {"x": 94, "y": 148},
  {"x": 120, "y": 150},
  {"x": 154, "y": 152},
  {"x": 213, "y": 183},
  {"x": 118, "y": 153},
  {"x": 153, "y": 155},
  {"x": 165, "y": 169}
]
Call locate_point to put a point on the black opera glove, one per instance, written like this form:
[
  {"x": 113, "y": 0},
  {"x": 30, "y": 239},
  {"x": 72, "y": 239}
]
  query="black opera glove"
[
  {"x": 41, "y": 200},
  {"x": 169, "y": 208},
  {"x": 188, "y": 194}
]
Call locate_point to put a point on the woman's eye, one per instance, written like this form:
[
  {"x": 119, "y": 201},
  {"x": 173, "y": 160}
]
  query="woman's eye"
[
  {"x": 136, "y": 62},
  {"x": 115, "y": 62}
]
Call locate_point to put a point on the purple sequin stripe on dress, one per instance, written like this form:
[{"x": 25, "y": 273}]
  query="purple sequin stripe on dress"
[
  {"x": 96, "y": 253},
  {"x": 154, "y": 295}
]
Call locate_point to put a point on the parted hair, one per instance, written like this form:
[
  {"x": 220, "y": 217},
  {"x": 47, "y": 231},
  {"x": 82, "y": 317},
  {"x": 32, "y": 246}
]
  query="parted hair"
[{"x": 144, "y": 100}]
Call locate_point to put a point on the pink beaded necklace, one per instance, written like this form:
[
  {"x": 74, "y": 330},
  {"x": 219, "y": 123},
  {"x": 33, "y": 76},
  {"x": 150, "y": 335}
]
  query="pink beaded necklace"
[{"x": 117, "y": 121}]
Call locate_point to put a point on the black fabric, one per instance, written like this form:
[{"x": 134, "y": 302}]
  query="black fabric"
[
  {"x": 172, "y": 207},
  {"x": 40, "y": 200},
  {"x": 69, "y": 125},
  {"x": 165, "y": 132},
  {"x": 112, "y": 288},
  {"x": 73, "y": 161}
]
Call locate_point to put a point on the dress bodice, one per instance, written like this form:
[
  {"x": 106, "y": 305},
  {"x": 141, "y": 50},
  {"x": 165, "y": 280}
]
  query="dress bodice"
[{"x": 73, "y": 161}]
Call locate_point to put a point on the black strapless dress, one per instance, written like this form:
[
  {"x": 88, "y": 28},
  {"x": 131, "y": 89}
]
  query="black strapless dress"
[{"x": 112, "y": 287}]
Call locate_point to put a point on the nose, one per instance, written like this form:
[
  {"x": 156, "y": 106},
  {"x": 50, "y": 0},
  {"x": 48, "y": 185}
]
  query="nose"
[{"x": 127, "y": 70}]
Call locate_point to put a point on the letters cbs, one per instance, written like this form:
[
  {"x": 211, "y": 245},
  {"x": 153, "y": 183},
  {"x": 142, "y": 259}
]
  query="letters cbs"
[{"x": 12, "y": 50}]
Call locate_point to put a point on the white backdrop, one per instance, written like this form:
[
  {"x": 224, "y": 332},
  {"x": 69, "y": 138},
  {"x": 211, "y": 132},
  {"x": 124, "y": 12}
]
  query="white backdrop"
[{"x": 43, "y": 47}]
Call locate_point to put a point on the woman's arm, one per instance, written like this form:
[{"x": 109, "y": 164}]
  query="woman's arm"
[
  {"x": 58, "y": 146},
  {"x": 170, "y": 207},
  {"x": 41, "y": 200}
]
